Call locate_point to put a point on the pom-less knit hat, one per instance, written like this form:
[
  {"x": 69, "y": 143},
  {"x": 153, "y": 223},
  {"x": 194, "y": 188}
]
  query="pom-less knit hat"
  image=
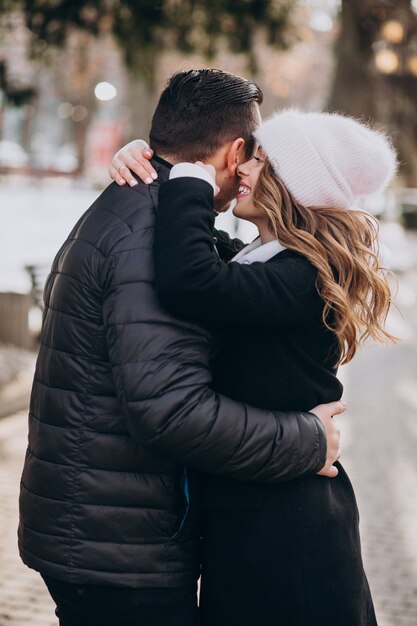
[{"x": 327, "y": 160}]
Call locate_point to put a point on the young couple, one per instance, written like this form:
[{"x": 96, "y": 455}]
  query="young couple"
[{"x": 160, "y": 337}]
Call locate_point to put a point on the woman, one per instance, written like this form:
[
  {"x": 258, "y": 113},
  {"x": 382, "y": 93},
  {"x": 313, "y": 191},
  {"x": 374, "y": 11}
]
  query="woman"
[{"x": 292, "y": 306}]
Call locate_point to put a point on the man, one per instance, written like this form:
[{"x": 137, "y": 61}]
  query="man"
[{"x": 121, "y": 402}]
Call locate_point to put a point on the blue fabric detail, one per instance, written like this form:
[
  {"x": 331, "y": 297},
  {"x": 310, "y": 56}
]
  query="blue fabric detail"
[{"x": 185, "y": 487}]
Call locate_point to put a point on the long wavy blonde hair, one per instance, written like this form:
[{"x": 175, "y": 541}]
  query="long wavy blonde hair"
[{"x": 343, "y": 246}]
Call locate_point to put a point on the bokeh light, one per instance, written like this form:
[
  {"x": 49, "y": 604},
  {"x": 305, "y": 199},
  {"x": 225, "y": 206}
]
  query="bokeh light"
[
  {"x": 321, "y": 22},
  {"x": 79, "y": 113},
  {"x": 105, "y": 91},
  {"x": 393, "y": 31},
  {"x": 65, "y": 110},
  {"x": 387, "y": 61},
  {"x": 412, "y": 64}
]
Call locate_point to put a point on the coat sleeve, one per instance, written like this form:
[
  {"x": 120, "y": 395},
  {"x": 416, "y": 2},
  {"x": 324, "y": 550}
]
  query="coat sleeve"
[
  {"x": 192, "y": 281},
  {"x": 166, "y": 396}
]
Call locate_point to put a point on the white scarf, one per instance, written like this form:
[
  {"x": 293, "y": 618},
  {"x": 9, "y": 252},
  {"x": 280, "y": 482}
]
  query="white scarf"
[{"x": 256, "y": 251}]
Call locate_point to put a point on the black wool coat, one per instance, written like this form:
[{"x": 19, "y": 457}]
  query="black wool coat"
[
  {"x": 272, "y": 554},
  {"x": 121, "y": 403}
]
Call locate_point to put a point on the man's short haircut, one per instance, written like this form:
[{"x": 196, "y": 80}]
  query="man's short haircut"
[{"x": 201, "y": 110}]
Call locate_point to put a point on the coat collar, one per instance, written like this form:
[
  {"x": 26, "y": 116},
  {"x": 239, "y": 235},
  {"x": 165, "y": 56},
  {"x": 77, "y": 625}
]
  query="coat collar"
[
  {"x": 256, "y": 251},
  {"x": 161, "y": 161},
  {"x": 162, "y": 168}
]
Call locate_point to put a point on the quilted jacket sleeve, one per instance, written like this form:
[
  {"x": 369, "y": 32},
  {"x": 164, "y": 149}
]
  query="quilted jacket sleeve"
[{"x": 161, "y": 371}]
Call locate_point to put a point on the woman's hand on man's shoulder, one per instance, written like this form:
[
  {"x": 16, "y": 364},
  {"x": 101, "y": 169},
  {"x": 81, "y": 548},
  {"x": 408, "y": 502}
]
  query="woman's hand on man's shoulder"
[{"x": 133, "y": 157}]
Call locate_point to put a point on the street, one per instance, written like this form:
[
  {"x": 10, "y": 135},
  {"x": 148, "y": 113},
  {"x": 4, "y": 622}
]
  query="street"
[{"x": 379, "y": 452}]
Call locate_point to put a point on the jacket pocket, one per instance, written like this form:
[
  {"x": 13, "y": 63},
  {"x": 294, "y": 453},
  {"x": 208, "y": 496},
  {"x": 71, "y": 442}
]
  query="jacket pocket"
[{"x": 188, "y": 521}]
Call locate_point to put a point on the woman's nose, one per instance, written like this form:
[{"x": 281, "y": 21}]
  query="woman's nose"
[{"x": 243, "y": 169}]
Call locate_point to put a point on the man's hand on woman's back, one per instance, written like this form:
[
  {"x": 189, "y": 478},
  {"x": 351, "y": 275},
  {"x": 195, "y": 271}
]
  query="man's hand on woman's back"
[{"x": 325, "y": 413}]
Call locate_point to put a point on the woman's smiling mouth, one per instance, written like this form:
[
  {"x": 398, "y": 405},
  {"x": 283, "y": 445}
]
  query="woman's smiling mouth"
[{"x": 244, "y": 190}]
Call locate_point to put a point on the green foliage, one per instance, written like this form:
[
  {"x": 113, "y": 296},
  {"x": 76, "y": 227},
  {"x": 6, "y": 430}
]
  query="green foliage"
[{"x": 144, "y": 28}]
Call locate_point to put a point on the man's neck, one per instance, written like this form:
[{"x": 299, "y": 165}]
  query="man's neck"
[
  {"x": 174, "y": 160},
  {"x": 169, "y": 158}
]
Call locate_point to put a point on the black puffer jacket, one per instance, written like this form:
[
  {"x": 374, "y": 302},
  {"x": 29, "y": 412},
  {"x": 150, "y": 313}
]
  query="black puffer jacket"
[{"x": 121, "y": 403}]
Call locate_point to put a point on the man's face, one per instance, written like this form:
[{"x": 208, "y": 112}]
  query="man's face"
[
  {"x": 229, "y": 185},
  {"x": 227, "y": 193}
]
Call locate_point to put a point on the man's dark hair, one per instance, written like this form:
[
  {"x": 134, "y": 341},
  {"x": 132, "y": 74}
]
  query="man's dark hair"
[{"x": 201, "y": 110}]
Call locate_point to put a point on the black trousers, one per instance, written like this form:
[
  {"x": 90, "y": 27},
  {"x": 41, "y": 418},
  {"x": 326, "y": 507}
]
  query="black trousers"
[{"x": 91, "y": 605}]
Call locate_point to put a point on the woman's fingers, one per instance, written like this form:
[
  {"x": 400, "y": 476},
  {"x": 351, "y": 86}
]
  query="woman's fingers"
[
  {"x": 125, "y": 163},
  {"x": 138, "y": 162},
  {"x": 134, "y": 157},
  {"x": 114, "y": 174},
  {"x": 139, "y": 149}
]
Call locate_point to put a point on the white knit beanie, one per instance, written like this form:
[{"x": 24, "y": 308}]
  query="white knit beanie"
[{"x": 327, "y": 160}]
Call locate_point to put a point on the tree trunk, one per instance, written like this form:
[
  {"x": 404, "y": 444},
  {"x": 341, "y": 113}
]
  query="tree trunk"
[
  {"x": 354, "y": 66},
  {"x": 361, "y": 90},
  {"x": 143, "y": 93},
  {"x": 143, "y": 98}
]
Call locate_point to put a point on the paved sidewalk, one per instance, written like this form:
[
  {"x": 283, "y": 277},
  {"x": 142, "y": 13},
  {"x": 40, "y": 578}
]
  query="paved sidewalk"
[
  {"x": 379, "y": 452},
  {"x": 23, "y": 599}
]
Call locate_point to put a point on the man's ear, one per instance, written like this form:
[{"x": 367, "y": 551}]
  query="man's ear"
[{"x": 235, "y": 155}]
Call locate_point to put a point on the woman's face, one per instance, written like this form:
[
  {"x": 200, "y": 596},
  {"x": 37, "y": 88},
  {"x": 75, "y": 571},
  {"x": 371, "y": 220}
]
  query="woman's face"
[{"x": 249, "y": 174}]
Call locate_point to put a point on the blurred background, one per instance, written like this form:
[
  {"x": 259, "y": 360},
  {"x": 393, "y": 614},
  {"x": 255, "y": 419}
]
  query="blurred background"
[{"x": 78, "y": 79}]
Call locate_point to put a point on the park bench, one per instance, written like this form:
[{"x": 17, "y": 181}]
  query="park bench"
[{"x": 38, "y": 275}]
